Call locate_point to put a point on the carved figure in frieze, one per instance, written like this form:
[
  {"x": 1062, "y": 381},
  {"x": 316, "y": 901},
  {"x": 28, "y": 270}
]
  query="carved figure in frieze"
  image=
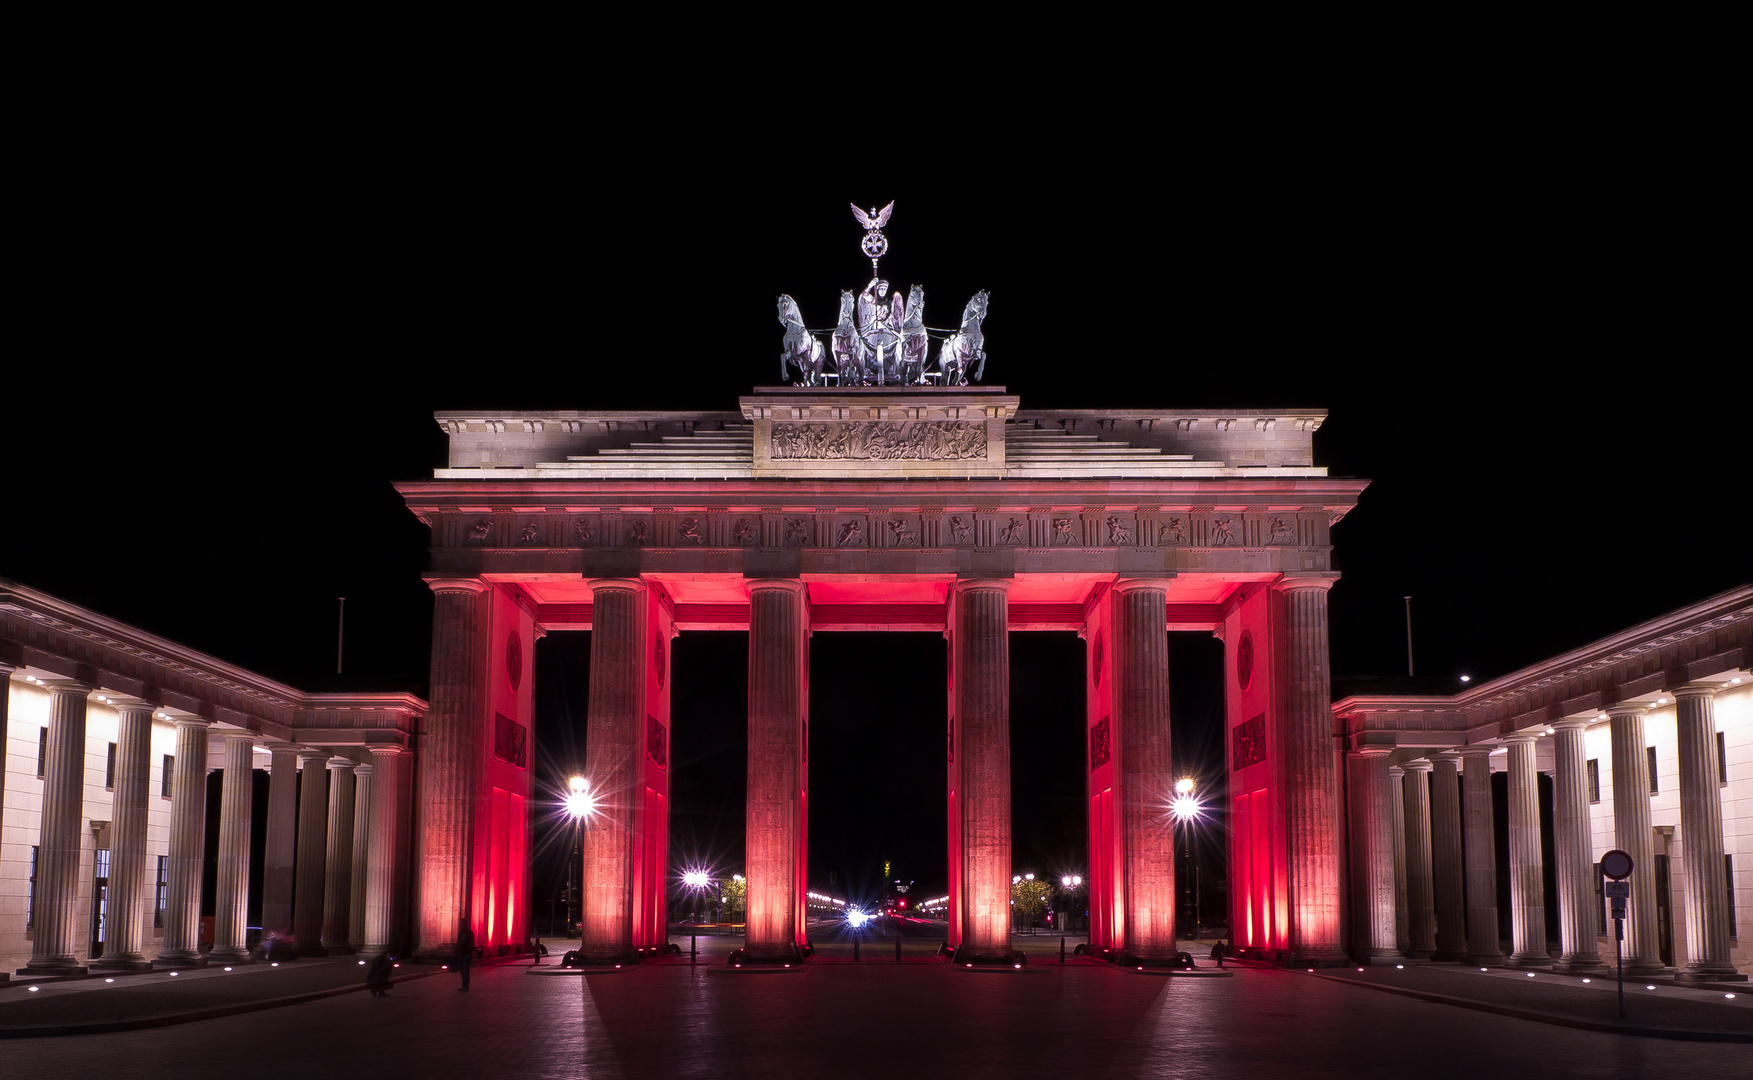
[
  {"x": 1062, "y": 533},
  {"x": 1118, "y": 533},
  {"x": 585, "y": 530},
  {"x": 958, "y": 530},
  {"x": 902, "y": 533},
  {"x": 851, "y": 533},
  {"x": 1283, "y": 532},
  {"x": 527, "y": 535},
  {"x": 1222, "y": 532},
  {"x": 797, "y": 532},
  {"x": 1172, "y": 531},
  {"x": 688, "y": 531},
  {"x": 799, "y": 348},
  {"x": 478, "y": 533},
  {"x": 638, "y": 532},
  {"x": 1017, "y": 532},
  {"x": 744, "y": 532},
  {"x": 885, "y": 440}
]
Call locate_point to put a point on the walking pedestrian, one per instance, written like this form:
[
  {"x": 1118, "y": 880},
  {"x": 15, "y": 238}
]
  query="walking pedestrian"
[
  {"x": 377, "y": 976},
  {"x": 465, "y": 950}
]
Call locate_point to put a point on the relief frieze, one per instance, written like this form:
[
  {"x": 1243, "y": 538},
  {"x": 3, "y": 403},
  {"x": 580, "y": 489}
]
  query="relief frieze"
[{"x": 913, "y": 440}]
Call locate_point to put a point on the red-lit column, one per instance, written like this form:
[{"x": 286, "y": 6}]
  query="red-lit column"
[
  {"x": 1372, "y": 854},
  {"x": 338, "y": 862},
  {"x": 313, "y": 807},
  {"x": 188, "y": 838},
  {"x": 1701, "y": 818},
  {"x": 1631, "y": 831},
  {"x": 612, "y": 752},
  {"x": 127, "y": 896},
  {"x": 1527, "y": 864},
  {"x": 449, "y": 753},
  {"x": 55, "y": 947},
  {"x": 1311, "y": 791},
  {"x": 232, "y": 896},
  {"x": 1447, "y": 876},
  {"x": 279, "y": 857},
  {"x": 1420, "y": 889},
  {"x": 982, "y": 681},
  {"x": 1147, "y": 783},
  {"x": 778, "y": 626},
  {"x": 1574, "y": 850}
]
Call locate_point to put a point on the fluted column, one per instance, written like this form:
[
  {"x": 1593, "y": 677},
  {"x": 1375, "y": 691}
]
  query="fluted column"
[
  {"x": 1147, "y": 781},
  {"x": 981, "y": 654},
  {"x": 1527, "y": 865},
  {"x": 338, "y": 863},
  {"x": 127, "y": 896},
  {"x": 313, "y": 847},
  {"x": 612, "y": 751},
  {"x": 1701, "y": 823},
  {"x": 1372, "y": 854},
  {"x": 232, "y": 897},
  {"x": 54, "y": 950},
  {"x": 188, "y": 841},
  {"x": 279, "y": 858},
  {"x": 1420, "y": 887},
  {"x": 450, "y": 749},
  {"x": 778, "y": 622},
  {"x": 6, "y": 672},
  {"x": 1447, "y": 873},
  {"x": 1483, "y": 945},
  {"x": 1311, "y": 790},
  {"x": 1397, "y": 820},
  {"x": 1632, "y": 835},
  {"x": 380, "y": 887},
  {"x": 361, "y": 855},
  {"x": 1574, "y": 850}
]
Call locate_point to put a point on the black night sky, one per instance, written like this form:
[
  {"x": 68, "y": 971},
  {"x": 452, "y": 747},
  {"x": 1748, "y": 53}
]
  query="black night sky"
[{"x": 230, "y": 358}]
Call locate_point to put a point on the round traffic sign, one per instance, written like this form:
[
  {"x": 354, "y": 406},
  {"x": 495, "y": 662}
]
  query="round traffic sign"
[{"x": 1616, "y": 864}]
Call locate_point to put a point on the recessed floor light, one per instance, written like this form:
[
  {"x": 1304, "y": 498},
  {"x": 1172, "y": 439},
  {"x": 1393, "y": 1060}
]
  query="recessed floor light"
[{"x": 109, "y": 980}]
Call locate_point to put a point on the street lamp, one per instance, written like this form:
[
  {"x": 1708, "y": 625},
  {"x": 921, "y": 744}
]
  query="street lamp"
[
  {"x": 579, "y": 804},
  {"x": 1187, "y": 810}
]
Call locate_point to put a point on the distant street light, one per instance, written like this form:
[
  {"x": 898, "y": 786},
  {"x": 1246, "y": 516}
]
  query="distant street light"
[{"x": 1187, "y": 810}]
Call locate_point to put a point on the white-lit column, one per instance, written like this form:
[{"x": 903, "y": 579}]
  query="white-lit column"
[
  {"x": 232, "y": 897},
  {"x": 127, "y": 891},
  {"x": 1372, "y": 854},
  {"x": 279, "y": 856},
  {"x": 1632, "y": 834},
  {"x": 1397, "y": 821},
  {"x": 338, "y": 863},
  {"x": 1420, "y": 888},
  {"x": 1527, "y": 865},
  {"x": 380, "y": 888},
  {"x": 1701, "y": 822},
  {"x": 188, "y": 841},
  {"x": 1447, "y": 874},
  {"x": 361, "y": 854},
  {"x": 313, "y": 847},
  {"x": 1483, "y": 946},
  {"x": 54, "y": 950},
  {"x": 1573, "y": 850}
]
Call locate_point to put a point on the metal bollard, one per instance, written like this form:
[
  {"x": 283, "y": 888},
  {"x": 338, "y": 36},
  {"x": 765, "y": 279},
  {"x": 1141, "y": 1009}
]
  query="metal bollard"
[
  {"x": 897, "y": 944},
  {"x": 693, "y": 950},
  {"x": 1062, "y": 950},
  {"x": 855, "y": 946}
]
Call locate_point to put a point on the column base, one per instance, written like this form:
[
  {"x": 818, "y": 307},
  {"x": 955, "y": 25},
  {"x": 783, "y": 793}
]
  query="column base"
[
  {"x": 786, "y": 953},
  {"x": 1421, "y": 954},
  {"x": 434, "y": 955},
  {"x": 1448, "y": 956},
  {"x": 1579, "y": 965},
  {"x": 967, "y": 957},
  {"x": 1385, "y": 959},
  {"x": 338, "y": 949},
  {"x": 1488, "y": 960},
  {"x": 123, "y": 962},
  {"x": 167, "y": 961},
  {"x": 1317, "y": 958},
  {"x": 1711, "y": 974},
  {"x": 311, "y": 951},
  {"x": 1529, "y": 960},
  {"x": 52, "y": 967},
  {"x": 232, "y": 956},
  {"x": 1644, "y": 969}
]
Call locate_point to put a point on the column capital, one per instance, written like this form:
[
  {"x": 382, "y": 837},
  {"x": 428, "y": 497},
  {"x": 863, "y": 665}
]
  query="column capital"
[
  {"x": 995, "y": 584},
  {"x": 1626, "y": 710},
  {"x": 776, "y": 584},
  {"x": 1126, "y": 585},
  {"x": 66, "y": 686},
  {"x": 1473, "y": 750},
  {"x": 1520, "y": 737},
  {"x": 607, "y": 584},
  {"x": 239, "y": 736},
  {"x": 1319, "y": 579},
  {"x": 388, "y": 750},
  {"x": 338, "y": 762},
  {"x": 449, "y": 584},
  {"x": 1572, "y": 724},
  {"x": 286, "y": 749},
  {"x": 1370, "y": 751},
  {"x": 308, "y": 754},
  {"x": 363, "y": 770},
  {"x": 1396, "y": 771},
  {"x": 131, "y": 704},
  {"x": 1417, "y": 765},
  {"x": 185, "y": 721},
  {"x": 1703, "y": 690}
]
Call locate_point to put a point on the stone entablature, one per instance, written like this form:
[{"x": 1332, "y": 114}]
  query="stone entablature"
[{"x": 1709, "y": 642}]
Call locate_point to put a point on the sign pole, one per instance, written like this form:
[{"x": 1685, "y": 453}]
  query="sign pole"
[
  {"x": 1617, "y": 865},
  {"x": 1619, "y": 957}
]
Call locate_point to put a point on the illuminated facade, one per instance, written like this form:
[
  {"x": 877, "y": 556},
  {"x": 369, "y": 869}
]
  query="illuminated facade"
[{"x": 939, "y": 509}]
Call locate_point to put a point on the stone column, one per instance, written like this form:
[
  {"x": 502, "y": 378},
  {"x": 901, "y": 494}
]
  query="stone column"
[
  {"x": 127, "y": 899},
  {"x": 1573, "y": 850},
  {"x": 1483, "y": 946},
  {"x": 279, "y": 857},
  {"x": 1446, "y": 869},
  {"x": 1701, "y": 823},
  {"x": 1397, "y": 820},
  {"x": 1420, "y": 888},
  {"x": 54, "y": 951},
  {"x": 1147, "y": 781},
  {"x": 380, "y": 886},
  {"x": 450, "y": 749},
  {"x": 1372, "y": 852},
  {"x": 613, "y": 748},
  {"x": 1527, "y": 865},
  {"x": 313, "y": 816},
  {"x": 361, "y": 855},
  {"x": 1311, "y": 789},
  {"x": 232, "y": 898},
  {"x": 338, "y": 864},
  {"x": 1631, "y": 833},
  {"x": 981, "y": 641},
  {"x": 778, "y": 623},
  {"x": 188, "y": 842},
  {"x": 6, "y": 671}
]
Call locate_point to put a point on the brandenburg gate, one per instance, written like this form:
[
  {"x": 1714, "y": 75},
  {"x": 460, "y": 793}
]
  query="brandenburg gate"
[{"x": 815, "y": 508}]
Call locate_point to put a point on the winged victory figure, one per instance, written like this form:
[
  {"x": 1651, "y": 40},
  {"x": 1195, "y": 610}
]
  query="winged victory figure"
[
  {"x": 967, "y": 346},
  {"x": 849, "y": 351},
  {"x": 799, "y": 348},
  {"x": 879, "y": 324}
]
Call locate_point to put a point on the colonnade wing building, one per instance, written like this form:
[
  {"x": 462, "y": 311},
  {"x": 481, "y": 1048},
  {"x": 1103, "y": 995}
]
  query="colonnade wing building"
[
  {"x": 111, "y": 734},
  {"x": 940, "y": 509}
]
